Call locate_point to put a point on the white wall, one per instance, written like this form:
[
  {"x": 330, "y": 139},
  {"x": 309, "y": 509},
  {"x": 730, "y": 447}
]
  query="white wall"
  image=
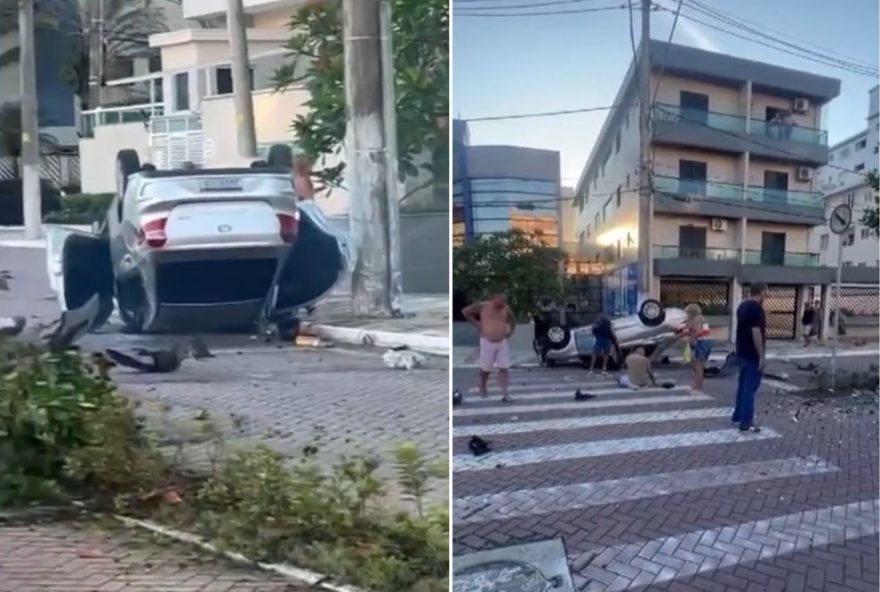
[{"x": 98, "y": 155}]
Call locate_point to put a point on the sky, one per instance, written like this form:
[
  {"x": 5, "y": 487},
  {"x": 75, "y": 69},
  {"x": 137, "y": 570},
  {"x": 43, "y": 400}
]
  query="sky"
[{"x": 531, "y": 64}]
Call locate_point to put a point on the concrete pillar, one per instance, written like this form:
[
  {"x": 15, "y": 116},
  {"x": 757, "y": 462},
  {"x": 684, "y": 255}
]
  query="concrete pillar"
[
  {"x": 825, "y": 331},
  {"x": 800, "y": 301},
  {"x": 734, "y": 297}
]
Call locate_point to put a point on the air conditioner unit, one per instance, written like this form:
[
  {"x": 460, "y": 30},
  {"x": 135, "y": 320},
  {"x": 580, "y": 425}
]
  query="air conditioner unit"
[
  {"x": 804, "y": 173},
  {"x": 801, "y": 105},
  {"x": 719, "y": 224}
]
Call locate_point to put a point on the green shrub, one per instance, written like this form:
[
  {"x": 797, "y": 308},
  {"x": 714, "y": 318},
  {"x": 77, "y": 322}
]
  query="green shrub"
[
  {"x": 301, "y": 515},
  {"x": 81, "y": 208},
  {"x": 63, "y": 429}
]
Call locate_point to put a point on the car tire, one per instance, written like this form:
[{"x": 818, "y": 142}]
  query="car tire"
[
  {"x": 652, "y": 313},
  {"x": 557, "y": 337},
  {"x": 127, "y": 163},
  {"x": 280, "y": 156}
]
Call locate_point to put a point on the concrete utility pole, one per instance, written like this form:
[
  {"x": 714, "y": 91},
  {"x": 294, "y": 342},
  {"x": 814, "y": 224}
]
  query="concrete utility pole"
[
  {"x": 96, "y": 52},
  {"x": 30, "y": 130},
  {"x": 366, "y": 159},
  {"x": 646, "y": 199},
  {"x": 241, "y": 79}
]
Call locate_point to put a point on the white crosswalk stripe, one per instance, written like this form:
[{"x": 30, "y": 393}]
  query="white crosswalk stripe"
[{"x": 632, "y": 565}]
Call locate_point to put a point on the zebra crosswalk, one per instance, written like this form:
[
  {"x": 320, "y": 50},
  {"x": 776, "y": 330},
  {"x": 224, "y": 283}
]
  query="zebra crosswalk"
[{"x": 642, "y": 487}]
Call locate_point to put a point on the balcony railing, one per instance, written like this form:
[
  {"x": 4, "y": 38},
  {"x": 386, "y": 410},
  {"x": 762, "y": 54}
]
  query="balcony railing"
[
  {"x": 115, "y": 115},
  {"x": 706, "y": 253},
  {"x": 719, "y": 191},
  {"x": 737, "y": 124},
  {"x": 787, "y": 259}
]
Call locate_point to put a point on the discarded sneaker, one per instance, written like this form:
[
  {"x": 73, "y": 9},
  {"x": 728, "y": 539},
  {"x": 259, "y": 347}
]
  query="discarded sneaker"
[
  {"x": 478, "y": 446},
  {"x": 457, "y": 398},
  {"x": 582, "y": 396}
]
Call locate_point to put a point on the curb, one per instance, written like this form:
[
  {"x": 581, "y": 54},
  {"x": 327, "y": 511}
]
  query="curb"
[
  {"x": 300, "y": 576},
  {"x": 431, "y": 344}
]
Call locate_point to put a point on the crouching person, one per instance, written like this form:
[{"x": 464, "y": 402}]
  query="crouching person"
[{"x": 638, "y": 371}]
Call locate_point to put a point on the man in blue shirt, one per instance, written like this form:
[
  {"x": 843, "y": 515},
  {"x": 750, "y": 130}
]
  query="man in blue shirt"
[{"x": 751, "y": 338}]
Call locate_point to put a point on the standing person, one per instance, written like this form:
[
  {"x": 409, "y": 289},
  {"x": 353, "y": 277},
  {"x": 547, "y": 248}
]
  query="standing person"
[
  {"x": 810, "y": 322},
  {"x": 496, "y": 324},
  {"x": 603, "y": 333},
  {"x": 751, "y": 339},
  {"x": 302, "y": 178},
  {"x": 697, "y": 333}
]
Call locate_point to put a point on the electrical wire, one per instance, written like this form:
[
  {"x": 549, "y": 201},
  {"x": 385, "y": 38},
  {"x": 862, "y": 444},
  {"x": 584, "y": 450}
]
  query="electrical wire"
[
  {"x": 861, "y": 71},
  {"x": 530, "y": 5},
  {"x": 458, "y": 13},
  {"x": 778, "y": 33},
  {"x": 543, "y": 114}
]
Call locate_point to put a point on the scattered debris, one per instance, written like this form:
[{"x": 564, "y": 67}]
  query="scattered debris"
[
  {"x": 73, "y": 324},
  {"x": 90, "y": 553},
  {"x": 200, "y": 349},
  {"x": 582, "y": 396},
  {"x": 311, "y": 341},
  {"x": 403, "y": 359},
  {"x": 12, "y": 326},
  {"x": 478, "y": 446},
  {"x": 457, "y": 398},
  {"x": 160, "y": 361}
]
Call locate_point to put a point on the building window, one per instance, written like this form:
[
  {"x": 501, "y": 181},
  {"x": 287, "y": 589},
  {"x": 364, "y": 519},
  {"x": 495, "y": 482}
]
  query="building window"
[
  {"x": 863, "y": 264},
  {"x": 823, "y": 242},
  {"x": 847, "y": 263},
  {"x": 844, "y": 152},
  {"x": 223, "y": 80},
  {"x": 850, "y": 238},
  {"x": 860, "y": 145},
  {"x": 626, "y": 122},
  {"x": 155, "y": 63},
  {"x": 618, "y": 196},
  {"x": 617, "y": 143},
  {"x": 860, "y": 167},
  {"x": 181, "y": 91},
  {"x": 627, "y": 181}
]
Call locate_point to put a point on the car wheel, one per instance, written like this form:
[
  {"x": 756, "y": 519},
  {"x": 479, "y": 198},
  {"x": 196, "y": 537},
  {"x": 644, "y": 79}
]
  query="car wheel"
[
  {"x": 281, "y": 156},
  {"x": 652, "y": 313},
  {"x": 127, "y": 163},
  {"x": 557, "y": 337}
]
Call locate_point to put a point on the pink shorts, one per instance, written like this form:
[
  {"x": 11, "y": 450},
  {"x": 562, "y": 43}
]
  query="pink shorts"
[{"x": 494, "y": 354}]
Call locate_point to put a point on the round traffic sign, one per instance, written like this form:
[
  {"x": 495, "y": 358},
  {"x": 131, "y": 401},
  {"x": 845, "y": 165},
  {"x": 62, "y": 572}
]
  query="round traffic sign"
[{"x": 841, "y": 218}]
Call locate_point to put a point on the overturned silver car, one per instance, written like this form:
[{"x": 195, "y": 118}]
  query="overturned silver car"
[
  {"x": 200, "y": 249},
  {"x": 654, "y": 328}
]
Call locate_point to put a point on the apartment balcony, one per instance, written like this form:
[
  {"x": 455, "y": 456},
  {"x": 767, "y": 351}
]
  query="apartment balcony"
[
  {"x": 735, "y": 134},
  {"x": 731, "y": 200},
  {"x": 786, "y": 259},
  {"x": 748, "y": 266},
  {"x": 704, "y": 253},
  {"x": 103, "y": 116},
  {"x": 708, "y": 262}
]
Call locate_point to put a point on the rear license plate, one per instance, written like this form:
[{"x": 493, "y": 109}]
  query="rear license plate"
[{"x": 220, "y": 184}]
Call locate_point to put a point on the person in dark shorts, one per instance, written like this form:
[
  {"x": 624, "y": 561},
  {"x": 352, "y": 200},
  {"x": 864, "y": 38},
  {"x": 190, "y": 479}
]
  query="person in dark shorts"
[
  {"x": 810, "y": 322},
  {"x": 751, "y": 339},
  {"x": 603, "y": 333}
]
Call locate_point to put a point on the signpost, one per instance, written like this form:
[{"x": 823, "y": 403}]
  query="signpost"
[{"x": 840, "y": 222}]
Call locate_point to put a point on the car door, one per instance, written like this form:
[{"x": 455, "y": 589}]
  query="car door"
[
  {"x": 79, "y": 268},
  {"x": 316, "y": 263}
]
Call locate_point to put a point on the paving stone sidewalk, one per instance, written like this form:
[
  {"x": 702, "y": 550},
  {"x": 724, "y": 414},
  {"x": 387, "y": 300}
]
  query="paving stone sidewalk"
[{"x": 81, "y": 557}]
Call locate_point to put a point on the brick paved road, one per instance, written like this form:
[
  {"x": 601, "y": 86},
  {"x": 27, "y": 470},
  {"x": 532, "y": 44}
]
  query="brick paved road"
[
  {"x": 655, "y": 490},
  {"x": 81, "y": 558}
]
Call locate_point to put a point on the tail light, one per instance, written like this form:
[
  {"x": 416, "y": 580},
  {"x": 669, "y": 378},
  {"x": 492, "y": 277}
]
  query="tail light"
[
  {"x": 289, "y": 224},
  {"x": 153, "y": 233}
]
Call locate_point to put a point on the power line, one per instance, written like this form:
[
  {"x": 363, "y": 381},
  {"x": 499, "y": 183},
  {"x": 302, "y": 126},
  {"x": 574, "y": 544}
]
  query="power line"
[
  {"x": 530, "y": 5},
  {"x": 542, "y": 114},
  {"x": 458, "y": 13},
  {"x": 853, "y": 70},
  {"x": 780, "y": 33},
  {"x": 707, "y": 11}
]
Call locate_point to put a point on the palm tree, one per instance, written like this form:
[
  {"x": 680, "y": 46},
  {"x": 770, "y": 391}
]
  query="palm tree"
[{"x": 128, "y": 25}]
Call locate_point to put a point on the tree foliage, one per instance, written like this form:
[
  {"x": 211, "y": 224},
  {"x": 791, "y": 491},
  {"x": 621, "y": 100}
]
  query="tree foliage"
[
  {"x": 421, "y": 66},
  {"x": 10, "y": 131},
  {"x": 514, "y": 263},
  {"x": 871, "y": 215}
]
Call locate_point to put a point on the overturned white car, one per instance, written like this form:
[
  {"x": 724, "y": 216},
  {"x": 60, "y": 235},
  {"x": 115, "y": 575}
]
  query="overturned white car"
[{"x": 200, "y": 249}]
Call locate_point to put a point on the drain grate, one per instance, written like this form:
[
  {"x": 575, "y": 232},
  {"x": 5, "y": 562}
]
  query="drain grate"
[{"x": 532, "y": 567}]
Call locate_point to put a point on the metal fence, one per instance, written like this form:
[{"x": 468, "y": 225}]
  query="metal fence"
[
  {"x": 62, "y": 170},
  {"x": 713, "y": 297},
  {"x": 855, "y": 301}
]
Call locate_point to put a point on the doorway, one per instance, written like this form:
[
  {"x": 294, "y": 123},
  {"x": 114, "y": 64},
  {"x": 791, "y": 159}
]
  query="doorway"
[
  {"x": 692, "y": 242},
  {"x": 692, "y": 177},
  {"x": 772, "y": 248},
  {"x": 694, "y": 107}
]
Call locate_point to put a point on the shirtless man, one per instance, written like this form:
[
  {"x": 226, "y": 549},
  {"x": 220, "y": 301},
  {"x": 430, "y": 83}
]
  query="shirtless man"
[{"x": 496, "y": 324}]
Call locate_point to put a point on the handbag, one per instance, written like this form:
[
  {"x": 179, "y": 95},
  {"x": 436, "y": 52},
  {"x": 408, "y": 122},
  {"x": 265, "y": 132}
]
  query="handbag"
[{"x": 688, "y": 354}]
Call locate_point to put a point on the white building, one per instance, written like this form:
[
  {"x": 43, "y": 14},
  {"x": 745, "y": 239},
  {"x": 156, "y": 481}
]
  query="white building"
[
  {"x": 857, "y": 153},
  {"x": 186, "y": 112}
]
